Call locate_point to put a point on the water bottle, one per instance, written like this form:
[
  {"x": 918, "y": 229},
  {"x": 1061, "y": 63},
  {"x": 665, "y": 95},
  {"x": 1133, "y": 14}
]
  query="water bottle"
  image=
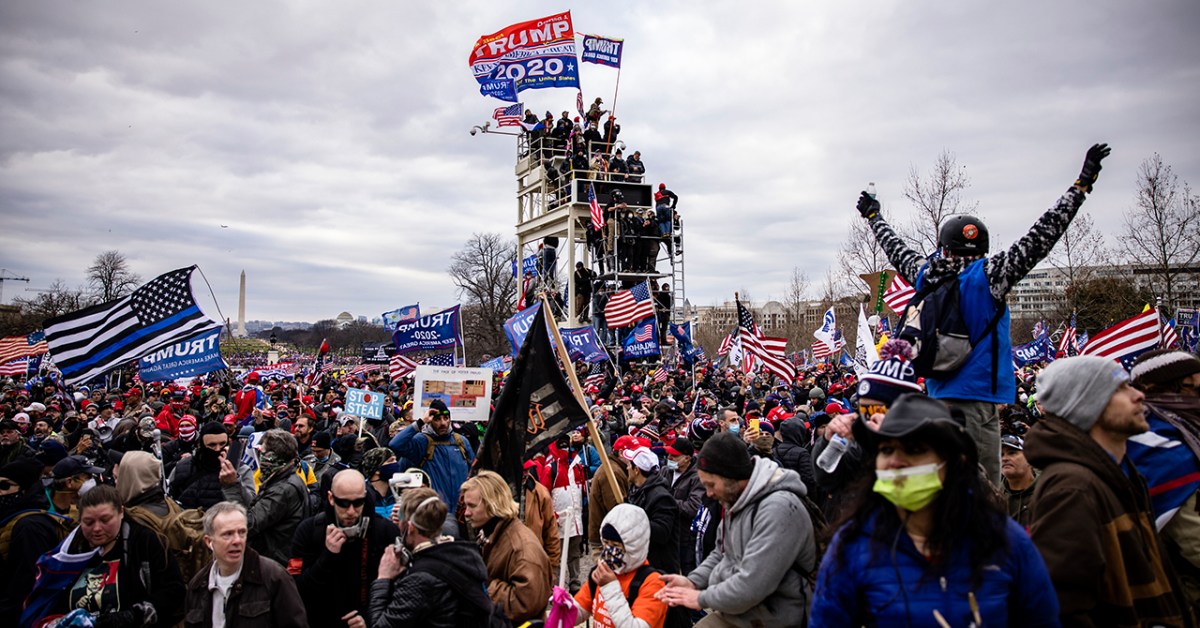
[
  {"x": 829, "y": 459},
  {"x": 871, "y": 189}
]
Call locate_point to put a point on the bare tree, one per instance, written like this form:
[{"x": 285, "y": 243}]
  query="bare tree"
[
  {"x": 795, "y": 303},
  {"x": 109, "y": 277},
  {"x": 1077, "y": 255},
  {"x": 936, "y": 197},
  {"x": 56, "y": 300},
  {"x": 1162, "y": 230},
  {"x": 482, "y": 272},
  {"x": 860, "y": 255}
]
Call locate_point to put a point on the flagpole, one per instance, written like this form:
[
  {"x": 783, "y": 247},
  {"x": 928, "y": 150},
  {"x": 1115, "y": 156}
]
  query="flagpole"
[
  {"x": 612, "y": 115},
  {"x": 575, "y": 387}
]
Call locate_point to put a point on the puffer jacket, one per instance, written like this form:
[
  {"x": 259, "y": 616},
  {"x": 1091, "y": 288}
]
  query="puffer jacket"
[
  {"x": 273, "y": 515},
  {"x": 1093, "y": 525},
  {"x": 264, "y": 596},
  {"x": 443, "y": 588},
  {"x": 518, "y": 570},
  {"x": 765, "y": 546},
  {"x": 654, "y": 496},
  {"x": 866, "y": 591}
]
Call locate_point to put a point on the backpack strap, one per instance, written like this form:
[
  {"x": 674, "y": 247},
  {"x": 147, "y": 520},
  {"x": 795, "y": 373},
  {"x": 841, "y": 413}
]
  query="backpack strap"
[
  {"x": 431, "y": 445},
  {"x": 635, "y": 585}
]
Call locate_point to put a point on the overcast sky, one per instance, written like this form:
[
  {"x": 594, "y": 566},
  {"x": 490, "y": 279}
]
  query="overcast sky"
[{"x": 332, "y": 138}]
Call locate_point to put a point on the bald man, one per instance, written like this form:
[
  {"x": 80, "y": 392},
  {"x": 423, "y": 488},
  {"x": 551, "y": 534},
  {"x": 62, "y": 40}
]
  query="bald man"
[{"x": 328, "y": 553}]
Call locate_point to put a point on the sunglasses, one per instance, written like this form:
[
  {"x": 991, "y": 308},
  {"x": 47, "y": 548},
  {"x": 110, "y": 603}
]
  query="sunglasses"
[
  {"x": 6, "y": 485},
  {"x": 347, "y": 503},
  {"x": 870, "y": 410}
]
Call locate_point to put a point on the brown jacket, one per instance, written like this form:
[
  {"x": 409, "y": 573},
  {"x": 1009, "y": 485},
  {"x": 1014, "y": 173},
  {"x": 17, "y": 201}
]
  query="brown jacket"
[
  {"x": 1094, "y": 528},
  {"x": 600, "y": 495},
  {"x": 264, "y": 595},
  {"x": 518, "y": 571},
  {"x": 540, "y": 518}
]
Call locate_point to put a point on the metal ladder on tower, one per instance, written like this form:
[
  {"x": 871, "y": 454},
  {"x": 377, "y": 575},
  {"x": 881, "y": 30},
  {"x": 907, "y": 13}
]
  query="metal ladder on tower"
[{"x": 679, "y": 309}]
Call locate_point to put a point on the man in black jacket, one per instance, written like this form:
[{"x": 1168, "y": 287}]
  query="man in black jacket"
[
  {"x": 336, "y": 553},
  {"x": 445, "y": 582},
  {"x": 688, "y": 490},
  {"x": 650, "y": 492},
  {"x": 30, "y": 531}
]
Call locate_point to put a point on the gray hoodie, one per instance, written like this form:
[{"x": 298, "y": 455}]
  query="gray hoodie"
[{"x": 755, "y": 574}]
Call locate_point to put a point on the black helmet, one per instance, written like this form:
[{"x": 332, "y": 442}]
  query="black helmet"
[
  {"x": 966, "y": 236},
  {"x": 618, "y": 195}
]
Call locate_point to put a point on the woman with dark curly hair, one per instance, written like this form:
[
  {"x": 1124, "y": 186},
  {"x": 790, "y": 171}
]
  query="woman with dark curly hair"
[{"x": 927, "y": 543}]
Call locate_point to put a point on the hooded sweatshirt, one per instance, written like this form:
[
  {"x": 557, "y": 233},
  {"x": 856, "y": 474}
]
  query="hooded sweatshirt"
[
  {"x": 1092, "y": 524},
  {"x": 765, "y": 546},
  {"x": 610, "y": 607}
]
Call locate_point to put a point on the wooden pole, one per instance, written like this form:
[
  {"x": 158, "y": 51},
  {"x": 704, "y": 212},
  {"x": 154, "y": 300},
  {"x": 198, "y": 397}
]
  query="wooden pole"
[{"x": 574, "y": 379}]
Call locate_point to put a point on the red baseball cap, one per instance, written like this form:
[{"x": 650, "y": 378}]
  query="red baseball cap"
[{"x": 630, "y": 442}]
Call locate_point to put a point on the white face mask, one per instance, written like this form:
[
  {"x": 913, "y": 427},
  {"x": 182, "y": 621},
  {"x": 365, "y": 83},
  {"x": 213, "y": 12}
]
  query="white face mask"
[
  {"x": 87, "y": 486},
  {"x": 907, "y": 472}
]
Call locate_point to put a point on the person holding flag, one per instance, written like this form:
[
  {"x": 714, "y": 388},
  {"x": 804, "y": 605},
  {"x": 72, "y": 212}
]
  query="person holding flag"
[{"x": 982, "y": 382}]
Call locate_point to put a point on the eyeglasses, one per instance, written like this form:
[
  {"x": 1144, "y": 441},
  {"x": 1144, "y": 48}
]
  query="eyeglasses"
[
  {"x": 6, "y": 485},
  {"x": 348, "y": 503},
  {"x": 868, "y": 410}
]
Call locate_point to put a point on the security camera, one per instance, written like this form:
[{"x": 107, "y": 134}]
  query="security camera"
[{"x": 474, "y": 130}]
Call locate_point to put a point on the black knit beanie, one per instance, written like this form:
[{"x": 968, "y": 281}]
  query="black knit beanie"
[{"x": 726, "y": 455}]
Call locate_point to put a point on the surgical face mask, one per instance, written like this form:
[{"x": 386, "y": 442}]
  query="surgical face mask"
[
  {"x": 912, "y": 488},
  {"x": 88, "y": 485},
  {"x": 672, "y": 465},
  {"x": 734, "y": 428}
]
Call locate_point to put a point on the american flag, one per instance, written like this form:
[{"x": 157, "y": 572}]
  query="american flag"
[
  {"x": 769, "y": 351},
  {"x": 644, "y": 331},
  {"x": 1066, "y": 344},
  {"x": 400, "y": 366},
  {"x": 898, "y": 294},
  {"x": 660, "y": 375},
  {"x": 362, "y": 369},
  {"x": 579, "y": 108},
  {"x": 13, "y": 347},
  {"x": 595, "y": 376},
  {"x": 1170, "y": 339},
  {"x": 629, "y": 306},
  {"x": 1127, "y": 339},
  {"x": 508, "y": 116},
  {"x": 597, "y": 213},
  {"x": 822, "y": 350},
  {"x": 726, "y": 345},
  {"x": 441, "y": 359},
  {"x": 102, "y": 337},
  {"x": 18, "y": 366}
]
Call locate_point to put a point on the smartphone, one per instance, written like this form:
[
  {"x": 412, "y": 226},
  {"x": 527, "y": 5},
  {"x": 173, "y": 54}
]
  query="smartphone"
[{"x": 753, "y": 424}]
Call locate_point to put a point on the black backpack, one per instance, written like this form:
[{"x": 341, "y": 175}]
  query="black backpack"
[
  {"x": 677, "y": 616},
  {"x": 933, "y": 323}
]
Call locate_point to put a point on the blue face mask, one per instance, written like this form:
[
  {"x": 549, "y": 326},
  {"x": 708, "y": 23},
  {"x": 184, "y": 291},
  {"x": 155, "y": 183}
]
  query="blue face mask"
[{"x": 735, "y": 428}]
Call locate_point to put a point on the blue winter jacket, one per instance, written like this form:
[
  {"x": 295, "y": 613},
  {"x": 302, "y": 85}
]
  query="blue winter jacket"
[
  {"x": 447, "y": 468},
  {"x": 866, "y": 591},
  {"x": 973, "y": 381}
]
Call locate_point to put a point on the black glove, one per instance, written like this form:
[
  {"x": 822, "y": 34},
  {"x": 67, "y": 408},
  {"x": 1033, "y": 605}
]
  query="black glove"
[
  {"x": 141, "y": 614},
  {"x": 869, "y": 207},
  {"x": 1091, "y": 166}
]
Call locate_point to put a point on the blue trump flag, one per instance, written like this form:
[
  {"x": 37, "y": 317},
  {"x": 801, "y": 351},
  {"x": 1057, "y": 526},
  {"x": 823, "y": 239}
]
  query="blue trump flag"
[
  {"x": 582, "y": 344},
  {"x": 517, "y": 327},
  {"x": 683, "y": 336},
  {"x": 195, "y": 356},
  {"x": 602, "y": 50},
  {"x": 430, "y": 333},
  {"x": 528, "y": 265},
  {"x": 642, "y": 341},
  {"x": 498, "y": 363},
  {"x": 1040, "y": 350}
]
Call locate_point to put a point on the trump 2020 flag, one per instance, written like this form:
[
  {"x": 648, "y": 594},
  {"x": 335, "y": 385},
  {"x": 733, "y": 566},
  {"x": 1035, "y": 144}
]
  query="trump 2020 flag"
[
  {"x": 97, "y": 339},
  {"x": 582, "y": 344},
  {"x": 528, "y": 55},
  {"x": 441, "y": 330},
  {"x": 643, "y": 340},
  {"x": 865, "y": 354}
]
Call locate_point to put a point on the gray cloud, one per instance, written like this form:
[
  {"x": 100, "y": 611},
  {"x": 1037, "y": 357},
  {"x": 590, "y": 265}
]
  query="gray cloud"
[{"x": 332, "y": 140}]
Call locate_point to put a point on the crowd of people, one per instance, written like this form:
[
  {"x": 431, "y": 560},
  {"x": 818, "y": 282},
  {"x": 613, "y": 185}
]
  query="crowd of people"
[{"x": 710, "y": 496}]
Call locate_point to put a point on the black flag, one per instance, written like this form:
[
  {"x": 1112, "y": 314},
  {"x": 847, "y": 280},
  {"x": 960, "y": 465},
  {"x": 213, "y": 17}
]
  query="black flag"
[{"x": 534, "y": 408}]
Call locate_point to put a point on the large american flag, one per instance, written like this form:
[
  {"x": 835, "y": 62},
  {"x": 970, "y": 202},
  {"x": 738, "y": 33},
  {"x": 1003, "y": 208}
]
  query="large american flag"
[
  {"x": 508, "y": 116},
  {"x": 1170, "y": 339},
  {"x": 1127, "y": 339},
  {"x": 13, "y": 347},
  {"x": 629, "y": 306},
  {"x": 597, "y": 213},
  {"x": 97, "y": 339},
  {"x": 898, "y": 294},
  {"x": 400, "y": 366},
  {"x": 769, "y": 351}
]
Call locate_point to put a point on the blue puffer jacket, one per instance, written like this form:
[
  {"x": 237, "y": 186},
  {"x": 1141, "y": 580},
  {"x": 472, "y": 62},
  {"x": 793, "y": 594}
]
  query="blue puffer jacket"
[
  {"x": 447, "y": 468},
  {"x": 865, "y": 591}
]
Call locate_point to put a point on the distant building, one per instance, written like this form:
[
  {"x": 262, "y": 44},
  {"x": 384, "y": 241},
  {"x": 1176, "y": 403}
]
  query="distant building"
[
  {"x": 1044, "y": 288},
  {"x": 343, "y": 320}
]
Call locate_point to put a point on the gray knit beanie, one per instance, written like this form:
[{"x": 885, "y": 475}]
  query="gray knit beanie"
[{"x": 1078, "y": 389}]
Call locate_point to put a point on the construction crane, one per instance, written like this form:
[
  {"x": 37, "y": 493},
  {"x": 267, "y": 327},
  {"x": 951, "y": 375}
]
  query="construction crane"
[{"x": 4, "y": 276}]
